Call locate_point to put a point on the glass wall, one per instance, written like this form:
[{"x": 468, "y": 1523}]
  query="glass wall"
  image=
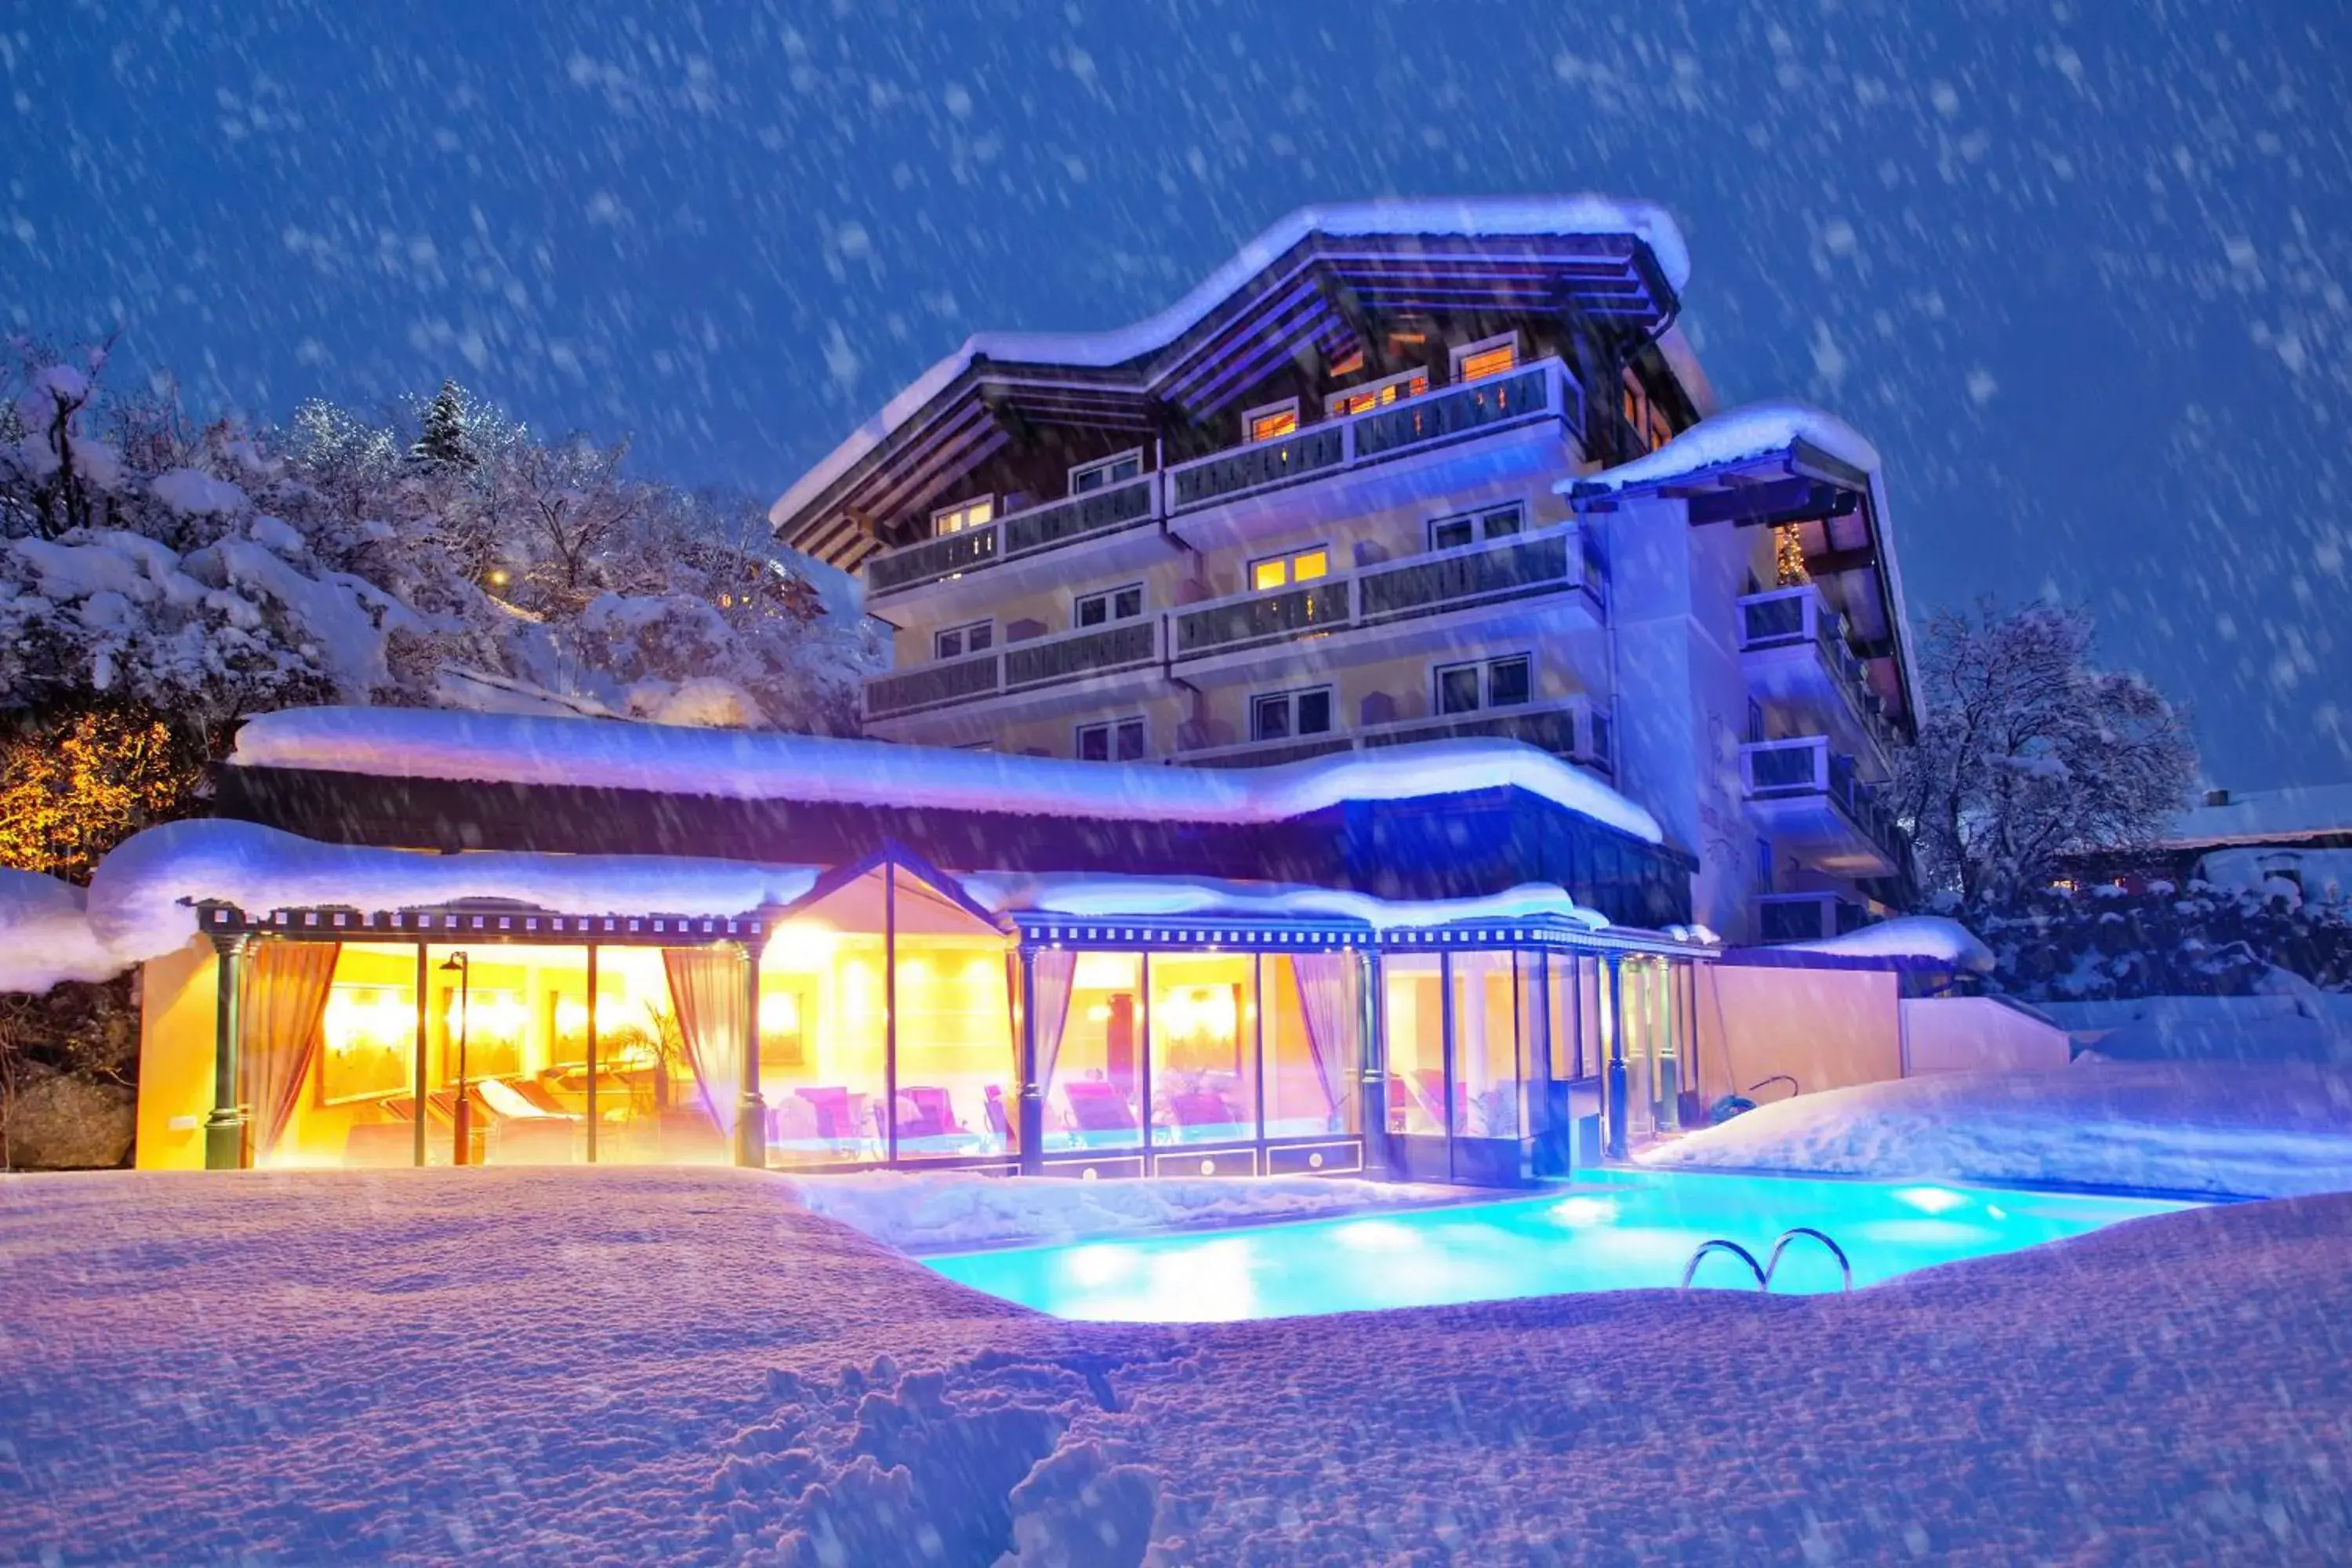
[
  {"x": 1313, "y": 1028},
  {"x": 1413, "y": 993},
  {"x": 1487, "y": 1078},
  {"x": 1093, "y": 1076},
  {"x": 1203, "y": 1021},
  {"x": 959, "y": 1083}
]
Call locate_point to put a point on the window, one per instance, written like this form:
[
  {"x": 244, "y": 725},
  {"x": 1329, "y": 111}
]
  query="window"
[
  {"x": 1278, "y": 715},
  {"x": 1469, "y": 527},
  {"x": 957, "y": 641},
  {"x": 1112, "y": 605},
  {"x": 1298, "y": 566},
  {"x": 1119, "y": 740},
  {"x": 975, "y": 513},
  {"x": 1272, "y": 420},
  {"x": 1764, "y": 866},
  {"x": 1107, "y": 471},
  {"x": 1488, "y": 356},
  {"x": 1506, "y": 683},
  {"x": 1374, "y": 393}
]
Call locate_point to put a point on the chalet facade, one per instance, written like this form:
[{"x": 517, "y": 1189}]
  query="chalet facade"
[{"x": 1400, "y": 473}]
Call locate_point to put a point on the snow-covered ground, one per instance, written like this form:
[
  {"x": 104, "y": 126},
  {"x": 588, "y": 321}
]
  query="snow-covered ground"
[
  {"x": 2187, "y": 1127},
  {"x": 934, "y": 1211},
  {"x": 606, "y": 1366}
]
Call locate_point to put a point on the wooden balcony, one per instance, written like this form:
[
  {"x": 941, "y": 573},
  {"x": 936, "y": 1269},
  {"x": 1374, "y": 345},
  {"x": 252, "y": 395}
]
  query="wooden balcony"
[
  {"x": 1017, "y": 669},
  {"x": 1573, "y": 729},
  {"x": 1016, "y": 537},
  {"x": 1808, "y": 799},
  {"x": 1393, "y": 605}
]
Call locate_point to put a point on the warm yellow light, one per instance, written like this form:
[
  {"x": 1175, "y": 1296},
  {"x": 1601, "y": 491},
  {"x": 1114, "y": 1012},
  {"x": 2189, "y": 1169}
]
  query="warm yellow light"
[
  {"x": 367, "y": 1018},
  {"x": 1488, "y": 362},
  {"x": 1267, "y": 575},
  {"x": 806, "y": 945},
  {"x": 1307, "y": 567},
  {"x": 494, "y": 1015},
  {"x": 1200, "y": 1013}
]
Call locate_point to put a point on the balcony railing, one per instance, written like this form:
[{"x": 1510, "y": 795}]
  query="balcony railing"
[
  {"x": 1094, "y": 515},
  {"x": 1794, "y": 769},
  {"x": 1494, "y": 572},
  {"x": 1573, "y": 729},
  {"x": 1794, "y": 618},
  {"x": 1542, "y": 390},
  {"x": 1016, "y": 667}
]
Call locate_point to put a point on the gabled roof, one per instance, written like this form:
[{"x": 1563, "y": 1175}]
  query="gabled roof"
[{"x": 1614, "y": 259}]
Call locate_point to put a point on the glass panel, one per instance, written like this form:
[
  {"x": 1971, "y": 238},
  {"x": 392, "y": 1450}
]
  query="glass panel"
[
  {"x": 1126, "y": 603},
  {"x": 1457, "y": 690},
  {"x": 1486, "y": 1054},
  {"x": 1204, "y": 1047},
  {"x": 1270, "y": 719},
  {"x": 822, "y": 1030},
  {"x": 1310, "y": 1062},
  {"x": 1309, "y": 564},
  {"x": 1266, "y": 426},
  {"x": 958, "y": 1088},
  {"x": 1503, "y": 523},
  {"x": 648, "y": 1107},
  {"x": 1094, "y": 612},
  {"x": 980, "y": 636},
  {"x": 1094, "y": 1097},
  {"x": 1130, "y": 740},
  {"x": 947, "y": 645},
  {"x": 1269, "y": 573},
  {"x": 1450, "y": 534},
  {"x": 1314, "y": 713},
  {"x": 1414, "y": 1019},
  {"x": 1489, "y": 362},
  {"x": 1094, "y": 743},
  {"x": 1508, "y": 682}
]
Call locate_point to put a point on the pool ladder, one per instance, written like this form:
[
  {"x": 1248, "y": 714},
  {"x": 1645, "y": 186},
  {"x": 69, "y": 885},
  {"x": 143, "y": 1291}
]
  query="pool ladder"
[{"x": 1764, "y": 1270}]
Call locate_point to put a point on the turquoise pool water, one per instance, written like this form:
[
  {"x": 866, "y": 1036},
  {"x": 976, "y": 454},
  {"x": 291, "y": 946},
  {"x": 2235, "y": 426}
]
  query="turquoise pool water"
[{"x": 1630, "y": 1230}]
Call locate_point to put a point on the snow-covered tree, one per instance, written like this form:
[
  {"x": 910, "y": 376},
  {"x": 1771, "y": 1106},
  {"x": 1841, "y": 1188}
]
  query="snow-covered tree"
[
  {"x": 2027, "y": 751},
  {"x": 442, "y": 441}
]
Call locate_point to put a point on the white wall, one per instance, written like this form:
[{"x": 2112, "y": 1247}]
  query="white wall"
[{"x": 1976, "y": 1034}]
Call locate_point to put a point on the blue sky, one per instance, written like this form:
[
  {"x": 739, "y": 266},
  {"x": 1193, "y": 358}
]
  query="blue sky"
[{"x": 2080, "y": 270}]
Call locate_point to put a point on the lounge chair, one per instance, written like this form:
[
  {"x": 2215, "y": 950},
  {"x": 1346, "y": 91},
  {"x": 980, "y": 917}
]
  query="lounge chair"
[
  {"x": 1203, "y": 1109},
  {"x": 1099, "y": 1114},
  {"x": 925, "y": 1112}
]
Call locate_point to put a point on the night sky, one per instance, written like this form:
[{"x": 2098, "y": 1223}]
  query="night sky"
[{"x": 2080, "y": 270}]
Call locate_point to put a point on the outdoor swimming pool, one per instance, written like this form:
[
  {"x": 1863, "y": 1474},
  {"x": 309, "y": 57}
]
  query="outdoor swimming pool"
[{"x": 1624, "y": 1230}]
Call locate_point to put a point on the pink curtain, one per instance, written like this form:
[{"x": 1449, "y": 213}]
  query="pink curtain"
[
  {"x": 1055, "y": 973},
  {"x": 283, "y": 1005},
  {"x": 1331, "y": 999},
  {"x": 707, "y": 985}
]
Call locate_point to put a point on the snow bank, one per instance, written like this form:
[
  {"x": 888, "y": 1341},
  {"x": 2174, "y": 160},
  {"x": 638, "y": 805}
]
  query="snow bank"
[
  {"x": 139, "y": 896},
  {"x": 1752, "y": 431},
  {"x": 1906, "y": 936},
  {"x": 411, "y": 743},
  {"x": 192, "y": 492},
  {"x": 1142, "y": 896},
  {"x": 1511, "y": 217},
  {"x": 598, "y": 1366},
  {"x": 2169, "y": 1127},
  {"x": 935, "y": 1210},
  {"x": 45, "y": 935}
]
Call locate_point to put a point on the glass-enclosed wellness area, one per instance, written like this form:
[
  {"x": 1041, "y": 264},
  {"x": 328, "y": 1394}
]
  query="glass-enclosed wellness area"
[{"x": 897, "y": 1022}]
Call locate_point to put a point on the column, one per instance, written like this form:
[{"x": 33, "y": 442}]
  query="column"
[
  {"x": 1376, "y": 1069},
  {"x": 1032, "y": 1107},
  {"x": 417, "y": 1127},
  {"x": 1617, "y": 1086},
  {"x": 225, "y": 1128},
  {"x": 751, "y": 1113}
]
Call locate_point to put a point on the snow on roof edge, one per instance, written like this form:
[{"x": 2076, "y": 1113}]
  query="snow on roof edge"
[
  {"x": 1587, "y": 213},
  {"x": 1750, "y": 430},
  {"x": 1905, "y": 936},
  {"x": 1088, "y": 895},
  {"x": 417, "y": 742}
]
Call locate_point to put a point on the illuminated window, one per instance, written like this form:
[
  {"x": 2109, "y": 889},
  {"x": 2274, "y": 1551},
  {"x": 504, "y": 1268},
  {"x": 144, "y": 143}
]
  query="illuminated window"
[
  {"x": 1348, "y": 363},
  {"x": 1298, "y": 566},
  {"x": 1119, "y": 741},
  {"x": 977, "y": 637},
  {"x": 1469, "y": 527},
  {"x": 1105, "y": 472},
  {"x": 1489, "y": 356},
  {"x": 1272, "y": 420},
  {"x": 1376, "y": 394},
  {"x": 955, "y": 518}
]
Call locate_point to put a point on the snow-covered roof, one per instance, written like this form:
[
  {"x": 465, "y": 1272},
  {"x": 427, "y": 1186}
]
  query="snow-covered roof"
[
  {"x": 1755, "y": 430},
  {"x": 2259, "y": 816},
  {"x": 1088, "y": 895},
  {"x": 141, "y": 896},
  {"x": 45, "y": 935},
  {"x": 425, "y": 743},
  {"x": 1478, "y": 217},
  {"x": 1906, "y": 936}
]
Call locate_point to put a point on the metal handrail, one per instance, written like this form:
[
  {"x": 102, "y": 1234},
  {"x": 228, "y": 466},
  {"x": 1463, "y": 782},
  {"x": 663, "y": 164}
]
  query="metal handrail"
[
  {"x": 1845, "y": 1269},
  {"x": 1716, "y": 1244}
]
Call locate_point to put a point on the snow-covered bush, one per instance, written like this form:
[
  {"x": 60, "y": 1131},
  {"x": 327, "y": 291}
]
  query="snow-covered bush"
[{"x": 2108, "y": 944}]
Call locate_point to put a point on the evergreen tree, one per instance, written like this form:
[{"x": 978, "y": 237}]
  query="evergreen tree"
[{"x": 443, "y": 440}]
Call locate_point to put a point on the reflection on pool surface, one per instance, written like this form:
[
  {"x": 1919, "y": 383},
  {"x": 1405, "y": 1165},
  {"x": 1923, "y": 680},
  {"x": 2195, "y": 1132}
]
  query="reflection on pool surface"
[{"x": 1621, "y": 1230}]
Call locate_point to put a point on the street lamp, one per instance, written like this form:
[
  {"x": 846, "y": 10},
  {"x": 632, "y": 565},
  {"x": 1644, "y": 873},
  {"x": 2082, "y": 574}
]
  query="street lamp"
[{"x": 462, "y": 966}]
